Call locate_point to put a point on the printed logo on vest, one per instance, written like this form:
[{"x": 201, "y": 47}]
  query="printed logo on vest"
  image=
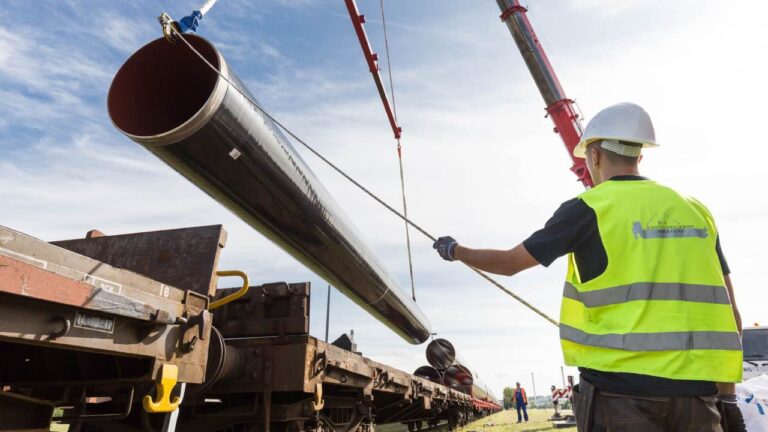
[{"x": 667, "y": 227}]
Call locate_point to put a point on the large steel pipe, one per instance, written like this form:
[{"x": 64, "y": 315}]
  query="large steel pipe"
[
  {"x": 441, "y": 354},
  {"x": 167, "y": 99},
  {"x": 460, "y": 377},
  {"x": 429, "y": 373},
  {"x": 481, "y": 391}
]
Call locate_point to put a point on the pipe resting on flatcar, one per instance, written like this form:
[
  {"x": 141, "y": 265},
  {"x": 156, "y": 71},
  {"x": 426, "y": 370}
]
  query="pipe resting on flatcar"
[
  {"x": 429, "y": 373},
  {"x": 441, "y": 354}
]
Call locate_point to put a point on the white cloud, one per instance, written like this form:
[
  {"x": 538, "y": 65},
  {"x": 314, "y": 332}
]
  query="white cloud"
[
  {"x": 124, "y": 34},
  {"x": 607, "y": 8}
]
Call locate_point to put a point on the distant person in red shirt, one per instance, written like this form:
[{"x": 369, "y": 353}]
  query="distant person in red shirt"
[{"x": 521, "y": 401}]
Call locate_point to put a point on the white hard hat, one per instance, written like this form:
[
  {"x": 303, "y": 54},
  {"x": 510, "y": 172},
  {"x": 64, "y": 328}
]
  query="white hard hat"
[{"x": 625, "y": 122}]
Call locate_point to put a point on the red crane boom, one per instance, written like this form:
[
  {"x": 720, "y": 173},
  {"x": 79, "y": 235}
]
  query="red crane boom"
[
  {"x": 559, "y": 107},
  {"x": 372, "y": 59}
]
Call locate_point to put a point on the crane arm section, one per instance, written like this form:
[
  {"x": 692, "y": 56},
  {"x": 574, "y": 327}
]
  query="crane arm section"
[
  {"x": 559, "y": 107},
  {"x": 372, "y": 59}
]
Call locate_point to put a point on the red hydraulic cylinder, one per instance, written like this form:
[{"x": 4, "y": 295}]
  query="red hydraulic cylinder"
[
  {"x": 372, "y": 59},
  {"x": 559, "y": 108}
]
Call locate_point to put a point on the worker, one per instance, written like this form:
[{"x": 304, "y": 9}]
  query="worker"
[
  {"x": 648, "y": 313},
  {"x": 521, "y": 401},
  {"x": 555, "y": 402}
]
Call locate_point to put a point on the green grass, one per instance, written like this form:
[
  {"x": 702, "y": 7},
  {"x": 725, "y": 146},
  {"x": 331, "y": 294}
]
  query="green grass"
[
  {"x": 391, "y": 427},
  {"x": 57, "y": 427},
  {"x": 506, "y": 421}
]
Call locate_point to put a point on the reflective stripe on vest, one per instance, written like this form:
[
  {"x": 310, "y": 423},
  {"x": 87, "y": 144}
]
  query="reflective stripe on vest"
[
  {"x": 667, "y": 341},
  {"x": 648, "y": 291}
]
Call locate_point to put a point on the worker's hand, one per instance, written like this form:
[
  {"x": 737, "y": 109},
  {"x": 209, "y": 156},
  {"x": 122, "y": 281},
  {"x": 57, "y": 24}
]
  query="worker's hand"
[
  {"x": 189, "y": 23},
  {"x": 733, "y": 420},
  {"x": 445, "y": 247}
]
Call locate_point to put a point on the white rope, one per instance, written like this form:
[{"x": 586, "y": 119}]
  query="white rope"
[{"x": 207, "y": 6}]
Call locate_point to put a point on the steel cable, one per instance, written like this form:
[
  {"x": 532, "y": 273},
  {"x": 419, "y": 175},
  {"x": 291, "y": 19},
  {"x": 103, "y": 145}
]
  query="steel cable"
[{"x": 399, "y": 151}]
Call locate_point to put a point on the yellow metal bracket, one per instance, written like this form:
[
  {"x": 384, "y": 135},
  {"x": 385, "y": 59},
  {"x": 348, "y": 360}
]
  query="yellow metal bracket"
[
  {"x": 241, "y": 292},
  {"x": 169, "y": 375},
  {"x": 318, "y": 402}
]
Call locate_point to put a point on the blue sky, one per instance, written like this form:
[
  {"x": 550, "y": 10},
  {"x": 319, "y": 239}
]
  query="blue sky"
[{"x": 481, "y": 161}]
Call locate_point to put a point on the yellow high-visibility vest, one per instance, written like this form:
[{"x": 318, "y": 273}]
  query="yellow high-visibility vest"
[{"x": 660, "y": 307}]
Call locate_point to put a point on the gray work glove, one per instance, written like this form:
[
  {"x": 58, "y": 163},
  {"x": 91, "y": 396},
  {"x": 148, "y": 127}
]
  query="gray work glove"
[
  {"x": 732, "y": 419},
  {"x": 445, "y": 247}
]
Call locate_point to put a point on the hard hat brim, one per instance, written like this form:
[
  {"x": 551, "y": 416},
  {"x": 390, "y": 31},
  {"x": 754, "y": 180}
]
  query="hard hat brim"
[{"x": 580, "y": 151}]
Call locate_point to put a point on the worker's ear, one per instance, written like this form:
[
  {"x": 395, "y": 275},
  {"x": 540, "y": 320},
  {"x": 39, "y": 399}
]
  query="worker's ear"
[{"x": 595, "y": 157}]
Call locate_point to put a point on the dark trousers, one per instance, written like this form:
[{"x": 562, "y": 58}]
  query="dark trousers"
[
  {"x": 598, "y": 411},
  {"x": 525, "y": 412}
]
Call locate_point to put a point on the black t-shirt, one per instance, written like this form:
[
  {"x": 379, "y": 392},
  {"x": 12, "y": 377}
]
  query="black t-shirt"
[{"x": 573, "y": 229}]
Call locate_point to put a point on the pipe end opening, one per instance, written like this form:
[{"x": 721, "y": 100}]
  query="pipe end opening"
[{"x": 162, "y": 86}]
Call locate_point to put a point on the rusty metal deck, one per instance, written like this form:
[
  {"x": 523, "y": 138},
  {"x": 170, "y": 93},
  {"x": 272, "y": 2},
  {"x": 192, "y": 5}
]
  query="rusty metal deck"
[{"x": 52, "y": 297}]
